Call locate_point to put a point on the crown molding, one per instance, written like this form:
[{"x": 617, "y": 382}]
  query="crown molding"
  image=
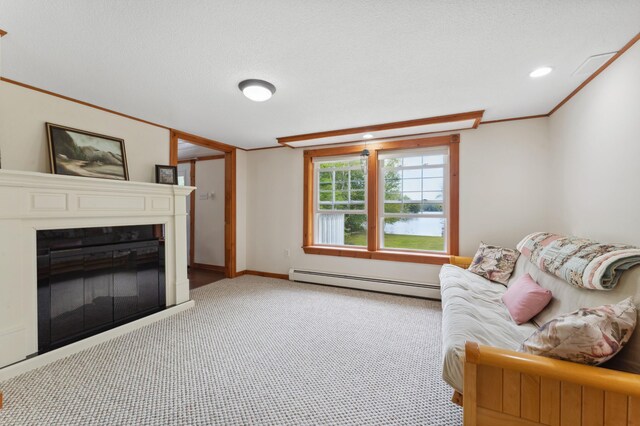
[{"x": 526, "y": 117}]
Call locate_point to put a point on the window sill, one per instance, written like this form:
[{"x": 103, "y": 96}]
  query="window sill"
[{"x": 393, "y": 256}]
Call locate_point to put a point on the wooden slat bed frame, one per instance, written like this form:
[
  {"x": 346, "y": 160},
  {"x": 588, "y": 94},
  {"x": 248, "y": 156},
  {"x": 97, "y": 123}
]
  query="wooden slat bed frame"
[{"x": 503, "y": 387}]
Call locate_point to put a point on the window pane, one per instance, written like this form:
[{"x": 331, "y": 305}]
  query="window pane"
[
  {"x": 414, "y": 234},
  {"x": 409, "y": 207},
  {"x": 392, "y": 162},
  {"x": 432, "y": 196},
  {"x": 342, "y": 188},
  {"x": 342, "y": 229},
  {"x": 411, "y": 196},
  {"x": 342, "y": 196},
  {"x": 431, "y": 160},
  {"x": 326, "y": 176},
  {"x": 341, "y": 185},
  {"x": 326, "y": 196},
  {"x": 432, "y": 208},
  {"x": 433, "y": 184},
  {"x": 437, "y": 172},
  {"x": 392, "y": 187},
  {"x": 393, "y": 196},
  {"x": 357, "y": 175},
  {"x": 393, "y": 207},
  {"x": 412, "y": 185},
  {"x": 357, "y": 196},
  {"x": 357, "y": 185},
  {"x": 412, "y": 161},
  {"x": 412, "y": 174},
  {"x": 342, "y": 175},
  {"x": 355, "y": 230},
  {"x": 391, "y": 174}
]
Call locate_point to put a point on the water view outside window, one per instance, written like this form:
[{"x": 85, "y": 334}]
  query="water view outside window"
[
  {"x": 413, "y": 212},
  {"x": 413, "y": 201}
]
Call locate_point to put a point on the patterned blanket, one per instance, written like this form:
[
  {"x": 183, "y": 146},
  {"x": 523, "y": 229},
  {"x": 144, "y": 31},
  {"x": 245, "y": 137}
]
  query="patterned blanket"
[{"x": 580, "y": 262}]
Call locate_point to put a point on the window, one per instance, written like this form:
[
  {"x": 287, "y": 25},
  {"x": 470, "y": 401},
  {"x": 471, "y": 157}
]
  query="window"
[
  {"x": 413, "y": 196},
  {"x": 340, "y": 202},
  {"x": 404, "y": 208}
]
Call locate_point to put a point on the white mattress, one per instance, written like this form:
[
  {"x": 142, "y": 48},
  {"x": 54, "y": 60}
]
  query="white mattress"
[{"x": 473, "y": 311}]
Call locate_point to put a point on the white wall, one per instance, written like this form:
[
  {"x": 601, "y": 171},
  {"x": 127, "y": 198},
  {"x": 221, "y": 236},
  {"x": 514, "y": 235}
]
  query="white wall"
[
  {"x": 501, "y": 200},
  {"x": 504, "y": 183},
  {"x": 209, "y": 229},
  {"x": 23, "y": 139},
  {"x": 596, "y": 151}
]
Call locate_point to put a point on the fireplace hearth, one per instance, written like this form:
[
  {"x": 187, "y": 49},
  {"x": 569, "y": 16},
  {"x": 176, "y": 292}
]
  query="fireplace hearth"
[{"x": 94, "y": 279}]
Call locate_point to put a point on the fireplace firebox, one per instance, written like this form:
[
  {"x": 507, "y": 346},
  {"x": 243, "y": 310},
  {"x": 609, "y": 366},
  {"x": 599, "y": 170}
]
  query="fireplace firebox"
[{"x": 94, "y": 279}]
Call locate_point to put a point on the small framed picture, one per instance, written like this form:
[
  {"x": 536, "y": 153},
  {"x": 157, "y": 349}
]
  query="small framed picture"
[{"x": 167, "y": 175}]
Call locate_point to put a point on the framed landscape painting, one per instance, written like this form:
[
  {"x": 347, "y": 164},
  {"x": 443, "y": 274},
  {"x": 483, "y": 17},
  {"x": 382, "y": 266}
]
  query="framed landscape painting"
[{"x": 79, "y": 153}]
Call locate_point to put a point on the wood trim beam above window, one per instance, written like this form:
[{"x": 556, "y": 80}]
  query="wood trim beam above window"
[
  {"x": 461, "y": 121},
  {"x": 373, "y": 248}
]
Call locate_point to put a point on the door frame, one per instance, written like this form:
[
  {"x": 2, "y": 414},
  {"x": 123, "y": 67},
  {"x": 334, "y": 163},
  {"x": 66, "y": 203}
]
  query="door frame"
[
  {"x": 192, "y": 210},
  {"x": 229, "y": 191}
]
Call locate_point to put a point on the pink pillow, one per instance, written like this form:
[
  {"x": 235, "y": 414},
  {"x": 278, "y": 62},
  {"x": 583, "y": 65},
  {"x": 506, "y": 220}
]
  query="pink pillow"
[{"x": 525, "y": 299}]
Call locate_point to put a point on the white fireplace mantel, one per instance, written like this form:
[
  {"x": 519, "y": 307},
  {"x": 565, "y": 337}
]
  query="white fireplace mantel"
[{"x": 35, "y": 201}]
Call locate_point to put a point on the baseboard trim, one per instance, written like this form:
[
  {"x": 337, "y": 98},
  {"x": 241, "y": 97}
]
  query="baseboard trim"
[
  {"x": 208, "y": 267},
  {"x": 262, "y": 274},
  {"x": 41, "y": 360}
]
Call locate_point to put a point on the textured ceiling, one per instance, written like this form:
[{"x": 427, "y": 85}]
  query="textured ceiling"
[{"x": 335, "y": 64}]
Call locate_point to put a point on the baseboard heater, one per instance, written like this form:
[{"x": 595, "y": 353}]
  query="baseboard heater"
[{"x": 406, "y": 288}]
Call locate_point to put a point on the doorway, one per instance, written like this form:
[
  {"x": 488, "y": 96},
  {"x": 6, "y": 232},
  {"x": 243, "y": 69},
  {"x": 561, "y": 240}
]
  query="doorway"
[{"x": 210, "y": 166}]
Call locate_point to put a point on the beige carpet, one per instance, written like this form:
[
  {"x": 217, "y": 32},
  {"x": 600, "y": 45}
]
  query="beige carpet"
[{"x": 253, "y": 351}]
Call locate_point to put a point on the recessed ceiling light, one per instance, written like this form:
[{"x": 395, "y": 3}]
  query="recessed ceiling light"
[
  {"x": 540, "y": 72},
  {"x": 367, "y": 136},
  {"x": 257, "y": 90}
]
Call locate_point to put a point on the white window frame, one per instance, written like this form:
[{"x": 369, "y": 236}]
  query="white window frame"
[{"x": 446, "y": 193}]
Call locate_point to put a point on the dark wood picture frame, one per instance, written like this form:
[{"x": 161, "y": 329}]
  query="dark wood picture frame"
[
  {"x": 88, "y": 157},
  {"x": 162, "y": 179}
]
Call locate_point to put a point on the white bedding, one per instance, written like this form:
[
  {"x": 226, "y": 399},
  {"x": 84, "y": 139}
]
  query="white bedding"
[{"x": 473, "y": 311}]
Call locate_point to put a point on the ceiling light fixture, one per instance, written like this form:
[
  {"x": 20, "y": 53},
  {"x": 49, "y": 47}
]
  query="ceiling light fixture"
[
  {"x": 367, "y": 136},
  {"x": 540, "y": 72},
  {"x": 257, "y": 90}
]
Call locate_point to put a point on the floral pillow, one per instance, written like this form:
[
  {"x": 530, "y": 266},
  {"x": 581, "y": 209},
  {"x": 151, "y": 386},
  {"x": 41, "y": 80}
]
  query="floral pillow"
[
  {"x": 494, "y": 263},
  {"x": 589, "y": 335}
]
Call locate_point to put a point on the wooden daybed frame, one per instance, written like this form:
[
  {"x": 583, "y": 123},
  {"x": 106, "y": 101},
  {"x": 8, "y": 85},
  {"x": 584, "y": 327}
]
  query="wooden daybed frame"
[
  {"x": 503, "y": 387},
  {"x": 507, "y": 388}
]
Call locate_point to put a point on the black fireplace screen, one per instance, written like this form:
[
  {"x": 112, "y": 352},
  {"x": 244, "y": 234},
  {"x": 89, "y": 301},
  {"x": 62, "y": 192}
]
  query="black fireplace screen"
[{"x": 94, "y": 279}]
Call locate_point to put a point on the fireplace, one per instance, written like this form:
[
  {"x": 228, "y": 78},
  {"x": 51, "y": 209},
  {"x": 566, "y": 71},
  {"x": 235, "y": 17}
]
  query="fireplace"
[
  {"x": 94, "y": 279},
  {"x": 66, "y": 214}
]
